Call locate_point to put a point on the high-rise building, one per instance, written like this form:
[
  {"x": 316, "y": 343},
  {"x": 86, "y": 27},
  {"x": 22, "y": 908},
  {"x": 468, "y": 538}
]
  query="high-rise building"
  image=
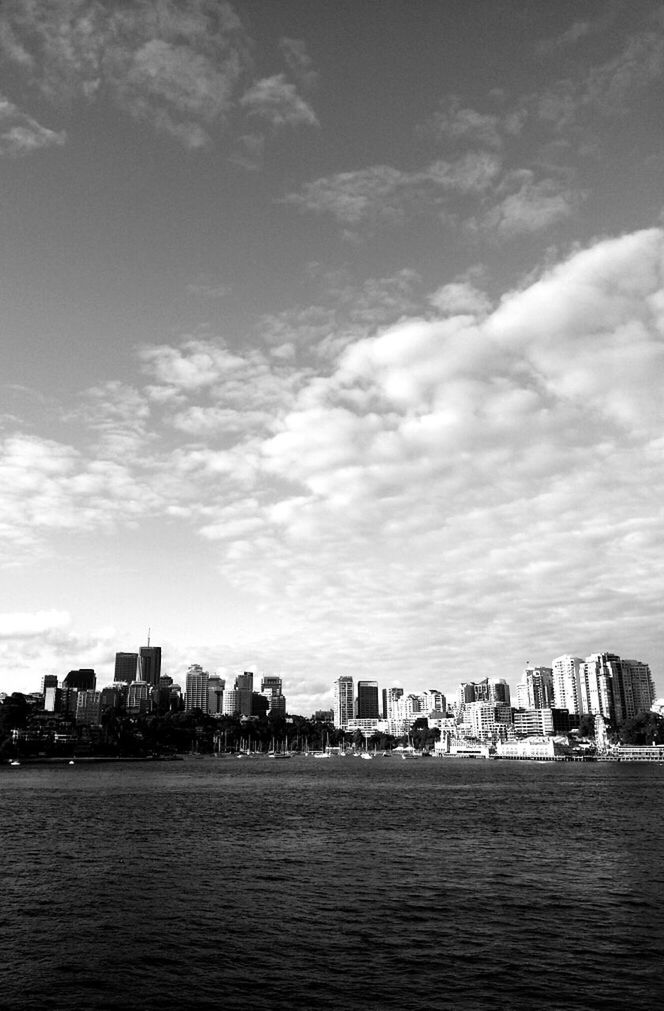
[
  {"x": 343, "y": 701},
  {"x": 538, "y": 682},
  {"x": 83, "y": 680},
  {"x": 391, "y": 697},
  {"x": 638, "y": 675},
  {"x": 495, "y": 690},
  {"x": 367, "y": 701},
  {"x": 196, "y": 689},
  {"x": 150, "y": 664},
  {"x": 272, "y": 688},
  {"x": 244, "y": 686},
  {"x": 567, "y": 683},
  {"x": 434, "y": 701},
  {"x": 597, "y": 695},
  {"x": 231, "y": 702},
  {"x": 126, "y": 666},
  {"x": 216, "y": 686}
]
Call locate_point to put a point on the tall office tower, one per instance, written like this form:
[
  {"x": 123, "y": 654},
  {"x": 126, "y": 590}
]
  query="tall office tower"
[
  {"x": 597, "y": 696},
  {"x": 196, "y": 688},
  {"x": 539, "y": 687},
  {"x": 83, "y": 680},
  {"x": 126, "y": 666},
  {"x": 244, "y": 686},
  {"x": 567, "y": 683},
  {"x": 88, "y": 707},
  {"x": 391, "y": 697},
  {"x": 642, "y": 685},
  {"x": 367, "y": 700},
  {"x": 216, "y": 687},
  {"x": 139, "y": 697},
  {"x": 343, "y": 701},
  {"x": 150, "y": 664}
]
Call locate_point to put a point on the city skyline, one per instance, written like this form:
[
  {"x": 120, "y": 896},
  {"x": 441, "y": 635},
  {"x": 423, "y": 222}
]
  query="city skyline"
[{"x": 332, "y": 338}]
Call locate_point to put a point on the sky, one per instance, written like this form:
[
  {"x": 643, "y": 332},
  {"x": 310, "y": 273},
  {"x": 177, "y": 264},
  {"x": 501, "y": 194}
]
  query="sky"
[{"x": 331, "y": 337}]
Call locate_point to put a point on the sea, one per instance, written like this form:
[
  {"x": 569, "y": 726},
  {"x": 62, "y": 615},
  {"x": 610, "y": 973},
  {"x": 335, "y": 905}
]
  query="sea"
[{"x": 339, "y": 884}]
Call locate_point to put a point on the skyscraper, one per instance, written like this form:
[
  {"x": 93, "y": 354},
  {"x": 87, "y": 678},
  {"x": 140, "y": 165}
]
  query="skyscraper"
[
  {"x": 196, "y": 689},
  {"x": 126, "y": 666},
  {"x": 539, "y": 687},
  {"x": 367, "y": 701},
  {"x": 150, "y": 664},
  {"x": 216, "y": 686},
  {"x": 567, "y": 683},
  {"x": 343, "y": 701},
  {"x": 244, "y": 686}
]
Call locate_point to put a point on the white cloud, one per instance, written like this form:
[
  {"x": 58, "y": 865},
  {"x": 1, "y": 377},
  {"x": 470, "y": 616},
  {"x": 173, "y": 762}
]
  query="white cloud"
[
  {"x": 25, "y": 624},
  {"x": 20, "y": 134},
  {"x": 276, "y": 100}
]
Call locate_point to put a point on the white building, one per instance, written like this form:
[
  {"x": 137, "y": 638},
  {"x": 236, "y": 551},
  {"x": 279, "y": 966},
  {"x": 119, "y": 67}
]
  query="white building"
[
  {"x": 567, "y": 683},
  {"x": 343, "y": 701},
  {"x": 196, "y": 688}
]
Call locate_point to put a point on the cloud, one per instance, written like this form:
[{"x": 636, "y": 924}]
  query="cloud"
[
  {"x": 23, "y": 624},
  {"x": 457, "y": 124},
  {"x": 526, "y": 205},
  {"x": 299, "y": 63},
  {"x": 382, "y": 194},
  {"x": 277, "y": 101},
  {"x": 20, "y": 134},
  {"x": 176, "y": 65},
  {"x": 471, "y": 474}
]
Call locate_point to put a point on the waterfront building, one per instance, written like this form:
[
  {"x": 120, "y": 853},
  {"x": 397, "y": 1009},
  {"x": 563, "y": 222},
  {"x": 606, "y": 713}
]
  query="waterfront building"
[
  {"x": 126, "y": 667},
  {"x": 149, "y": 663},
  {"x": 567, "y": 692},
  {"x": 343, "y": 701},
  {"x": 88, "y": 707},
  {"x": 535, "y": 748},
  {"x": 216, "y": 686},
  {"x": 50, "y": 692},
  {"x": 541, "y": 721},
  {"x": 367, "y": 701},
  {"x": 84, "y": 679},
  {"x": 196, "y": 688},
  {"x": 488, "y": 720}
]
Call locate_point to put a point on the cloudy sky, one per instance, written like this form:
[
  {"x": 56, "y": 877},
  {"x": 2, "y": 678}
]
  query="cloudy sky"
[{"x": 332, "y": 336}]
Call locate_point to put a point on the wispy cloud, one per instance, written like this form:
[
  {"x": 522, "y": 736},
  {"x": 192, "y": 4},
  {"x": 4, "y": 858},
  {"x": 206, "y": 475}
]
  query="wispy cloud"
[
  {"x": 20, "y": 134},
  {"x": 383, "y": 194},
  {"x": 276, "y": 100}
]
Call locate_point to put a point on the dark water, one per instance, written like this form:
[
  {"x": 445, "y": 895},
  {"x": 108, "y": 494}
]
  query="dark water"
[{"x": 339, "y": 884}]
